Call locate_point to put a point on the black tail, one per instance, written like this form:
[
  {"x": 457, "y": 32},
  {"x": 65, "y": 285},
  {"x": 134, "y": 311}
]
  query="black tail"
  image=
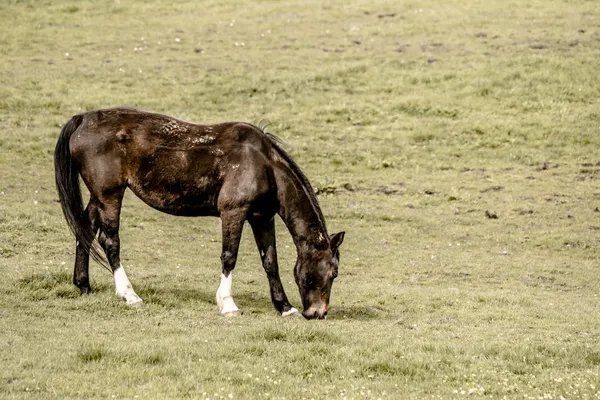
[{"x": 69, "y": 193}]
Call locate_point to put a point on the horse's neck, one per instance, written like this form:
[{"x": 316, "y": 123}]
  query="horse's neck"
[{"x": 301, "y": 215}]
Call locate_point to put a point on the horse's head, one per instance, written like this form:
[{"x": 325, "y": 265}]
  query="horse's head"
[{"x": 314, "y": 273}]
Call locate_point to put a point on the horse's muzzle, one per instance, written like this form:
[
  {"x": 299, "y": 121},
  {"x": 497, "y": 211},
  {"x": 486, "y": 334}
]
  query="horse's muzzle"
[{"x": 315, "y": 313}]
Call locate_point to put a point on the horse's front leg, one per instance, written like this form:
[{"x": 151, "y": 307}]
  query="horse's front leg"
[
  {"x": 232, "y": 222},
  {"x": 264, "y": 234}
]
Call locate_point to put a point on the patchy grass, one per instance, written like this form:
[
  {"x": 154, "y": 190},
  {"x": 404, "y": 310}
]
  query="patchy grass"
[{"x": 456, "y": 144}]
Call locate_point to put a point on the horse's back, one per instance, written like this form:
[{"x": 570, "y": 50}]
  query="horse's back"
[{"x": 150, "y": 131}]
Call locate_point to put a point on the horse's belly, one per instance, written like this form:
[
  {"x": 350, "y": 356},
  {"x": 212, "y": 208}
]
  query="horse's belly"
[{"x": 186, "y": 198}]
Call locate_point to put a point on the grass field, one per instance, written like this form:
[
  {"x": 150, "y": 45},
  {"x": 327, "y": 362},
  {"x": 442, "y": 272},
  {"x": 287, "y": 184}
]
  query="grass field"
[{"x": 456, "y": 143}]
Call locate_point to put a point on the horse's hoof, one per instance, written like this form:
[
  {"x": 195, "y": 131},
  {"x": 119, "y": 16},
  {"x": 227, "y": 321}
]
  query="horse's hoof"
[
  {"x": 232, "y": 314},
  {"x": 84, "y": 289},
  {"x": 292, "y": 313},
  {"x": 135, "y": 303}
]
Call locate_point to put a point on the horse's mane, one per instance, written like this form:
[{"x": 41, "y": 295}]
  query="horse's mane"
[{"x": 277, "y": 143}]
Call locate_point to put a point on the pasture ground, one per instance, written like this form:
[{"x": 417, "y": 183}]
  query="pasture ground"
[{"x": 457, "y": 144}]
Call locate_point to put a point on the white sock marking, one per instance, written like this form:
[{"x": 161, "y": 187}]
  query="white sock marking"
[
  {"x": 124, "y": 288},
  {"x": 291, "y": 311},
  {"x": 224, "y": 300}
]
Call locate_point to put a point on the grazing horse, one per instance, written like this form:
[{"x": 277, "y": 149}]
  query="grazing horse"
[{"x": 233, "y": 170}]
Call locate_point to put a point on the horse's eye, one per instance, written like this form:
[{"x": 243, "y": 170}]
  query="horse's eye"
[
  {"x": 310, "y": 283},
  {"x": 334, "y": 274}
]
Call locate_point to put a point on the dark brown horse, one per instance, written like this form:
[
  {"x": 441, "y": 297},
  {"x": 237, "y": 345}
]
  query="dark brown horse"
[{"x": 235, "y": 171}]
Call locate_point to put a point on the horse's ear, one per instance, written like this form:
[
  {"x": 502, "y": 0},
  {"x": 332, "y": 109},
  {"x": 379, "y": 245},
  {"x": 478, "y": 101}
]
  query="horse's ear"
[{"x": 336, "y": 240}]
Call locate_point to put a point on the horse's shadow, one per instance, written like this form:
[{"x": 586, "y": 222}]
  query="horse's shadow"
[
  {"x": 249, "y": 302},
  {"x": 356, "y": 312},
  {"x": 169, "y": 296}
]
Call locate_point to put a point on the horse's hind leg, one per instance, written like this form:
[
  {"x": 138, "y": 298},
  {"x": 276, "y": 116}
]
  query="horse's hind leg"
[
  {"x": 81, "y": 277},
  {"x": 264, "y": 234},
  {"x": 109, "y": 212}
]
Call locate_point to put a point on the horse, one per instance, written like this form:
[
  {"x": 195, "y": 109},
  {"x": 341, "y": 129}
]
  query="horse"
[{"x": 233, "y": 170}]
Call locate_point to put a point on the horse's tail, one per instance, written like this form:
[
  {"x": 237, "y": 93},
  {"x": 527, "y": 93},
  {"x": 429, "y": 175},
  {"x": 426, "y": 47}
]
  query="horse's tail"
[{"x": 66, "y": 173}]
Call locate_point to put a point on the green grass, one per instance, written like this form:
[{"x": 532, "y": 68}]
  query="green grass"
[{"x": 455, "y": 142}]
